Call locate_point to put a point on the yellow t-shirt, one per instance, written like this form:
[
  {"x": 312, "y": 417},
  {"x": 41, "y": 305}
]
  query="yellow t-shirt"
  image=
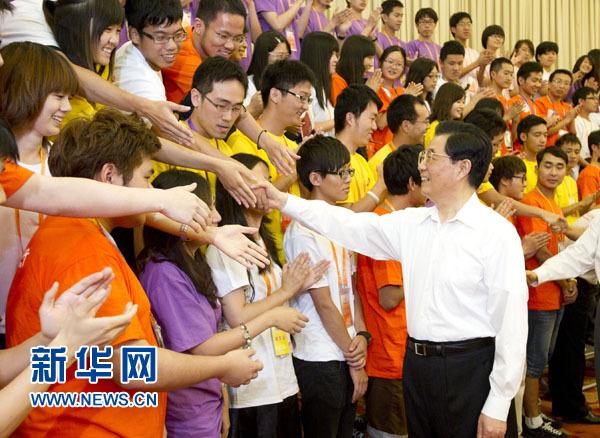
[
  {"x": 484, "y": 187},
  {"x": 430, "y": 133},
  {"x": 380, "y": 157},
  {"x": 240, "y": 144},
  {"x": 81, "y": 107},
  {"x": 531, "y": 175},
  {"x": 566, "y": 194},
  {"x": 363, "y": 180}
]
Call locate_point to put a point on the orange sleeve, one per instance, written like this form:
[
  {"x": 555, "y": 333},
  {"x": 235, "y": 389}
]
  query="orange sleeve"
[
  {"x": 338, "y": 84},
  {"x": 387, "y": 273},
  {"x": 13, "y": 177},
  {"x": 526, "y": 225},
  {"x": 588, "y": 183},
  {"x": 543, "y": 105}
]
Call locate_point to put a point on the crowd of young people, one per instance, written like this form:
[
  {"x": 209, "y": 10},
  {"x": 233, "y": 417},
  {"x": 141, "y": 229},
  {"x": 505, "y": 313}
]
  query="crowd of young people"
[{"x": 298, "y": 210}]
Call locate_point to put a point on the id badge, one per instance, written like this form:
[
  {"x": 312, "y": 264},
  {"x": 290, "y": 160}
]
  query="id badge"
[
  {"x": 281, "y": 343},
  {"x": 290, "y": 36},
  {"x": 345, "y": 302}
]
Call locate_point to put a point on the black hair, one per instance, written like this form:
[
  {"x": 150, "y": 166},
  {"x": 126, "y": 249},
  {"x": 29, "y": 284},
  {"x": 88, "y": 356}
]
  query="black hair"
[
  {"x": 491, "y": 30},
  {"x": 527, "y": 123},
  {"x": 560, "y": 71},
  {"x": 578, "y": 63},
  {"x": 594, "y": 57},
  {"x": 388, "y": 6},
  {"x": 490, "y": 103},
  {"x": 488, "y": 121},
  {"x": 451, "y": 47},
  {"x": 320, "y": 154},
  {"x": 8, "y": 143},
  {"x": 545, "y": 47},
  {"x": 400, "y": 167},
  {"x": 217, "y": 69},
  {"x": 208, "y": 10},
  {"x": 392, "y": 49},
  {"x": 426, "y": 13},
  {"x": 591, "y": 75},
  {"x": 457, "y": 17},
  {"x": 497, "y": 64},
  {"x": 351, "y": 64},
  {"x": 529, "y": 68},
  {"x": 284, "y": 75},
  {"x": 552, "y": 150},
  {"x": 355, "y": 100},
  {"x": 506, "y": 167},
  {"x": 402, "y": 108},
  {"x": 582, "y": 93},
  {"x": 444, "y": 99},
  {"x": 233, "y": 214},
  {"x": 418, "y": 71},
  {"x": 520, "y": 43},
  {"x": 467, "y": 142},
  {"x": 162, "y": 247},
  {"x": 142, "y": 13},
  {"x": 316, "y": 53},
  {"x": 593, "y": 139},
  {"x": 265, "y": 43},
  {"x": 567, "y": 138},
  {"x": 6, "y": 6},
  {"x": 78, "y": 25}
]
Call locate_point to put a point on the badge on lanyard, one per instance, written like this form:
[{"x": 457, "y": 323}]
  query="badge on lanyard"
[
  {"x": 290, "y": 36},
  {"x": 281, "y": 342},
  {"x": 343, "y": 286}
]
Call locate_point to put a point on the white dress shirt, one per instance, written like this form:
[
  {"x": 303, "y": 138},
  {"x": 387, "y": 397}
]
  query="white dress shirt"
[
  {"x": 134, "y": 74},
  {"x": 463, "y": 279}
]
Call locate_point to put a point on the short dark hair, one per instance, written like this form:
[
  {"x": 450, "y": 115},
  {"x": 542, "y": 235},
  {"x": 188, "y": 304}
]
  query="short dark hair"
[
  {"x": 284, "y": 75},
  {"x": 506, "y": 167},
  {"x": 320, "y": 154},
  {"x": 8, "y": 143},
  {"x": 208, "y": 10},
  {"x": 388, "y": 6},
  {"x": 444, "y": 99},
  {"x": 593, "y": 139},
  {"x": 521, "y": 43},
  {"x": 552, "y": 150},
  {"x": 217, "y": 69},
  {"x": 85, "y": 145},
  {"x": 582, "y": 93},
  {"x": 567, "y": 138},
  {"x": 400, "y": 166},
  {"x": 457, "y": 17},
  {"x": 355, "y": 100},
  {"x": 527, "y": 123},
  {"x": 490, "y": 103},
  {"x": 426, "y": 13},
  {"x": 560, "y": 71},
  {"x": 402, "y": 108},
  {"x": 545, "y": 47},
  {"x": 467, "y": 142},
  {"x": 491, "y": 30},
  {"x": 451, "y": 47},
  {"x": 488, "y": 121},
  {"x": 351, "y": 65},
  {"x": 528, "y": 68},
  {"x": 497, "y": 64},
  {"x": 142, "y": 13}
]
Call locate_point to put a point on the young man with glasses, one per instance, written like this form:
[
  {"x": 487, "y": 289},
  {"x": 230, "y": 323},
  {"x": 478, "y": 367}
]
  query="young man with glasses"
[
  {"x": 588, "y": 118},
  {"x": 426, "y": 20},
  {"x": 558, "y": 113}
]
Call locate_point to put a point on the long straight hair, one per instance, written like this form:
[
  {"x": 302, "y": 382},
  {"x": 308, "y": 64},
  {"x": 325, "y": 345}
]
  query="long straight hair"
[
  {"x": 444, "y": 99},
  {"x": 161, "y": 247},
  {"x": 232, "y": 214},
  {"x": 418, "y": 71},
  {"x": 265, "y": 43},
  {"x": 316, "y": 53},
  {"x": 351, "y": 65}
]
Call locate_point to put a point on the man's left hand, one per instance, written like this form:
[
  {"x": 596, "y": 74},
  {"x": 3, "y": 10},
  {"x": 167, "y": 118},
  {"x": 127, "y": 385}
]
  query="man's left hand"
[{"x": 488, "y": 427}]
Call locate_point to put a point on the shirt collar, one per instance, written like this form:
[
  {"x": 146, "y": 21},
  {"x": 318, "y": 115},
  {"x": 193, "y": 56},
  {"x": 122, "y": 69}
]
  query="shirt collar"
[{"x": 469, "y": 214}]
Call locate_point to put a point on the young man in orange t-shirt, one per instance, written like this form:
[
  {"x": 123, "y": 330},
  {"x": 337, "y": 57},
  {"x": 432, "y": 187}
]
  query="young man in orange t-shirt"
[
  {"x": 380, "y": 286},
  {"x": 529, "y": 78},
  {"x": 114, "y": 149},
  {"x": 552, "y": 107},
  {"x": 588, "y": 181},
  {"x": 545, "y": 301}
]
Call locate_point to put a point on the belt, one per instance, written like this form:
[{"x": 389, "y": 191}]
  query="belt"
[{"x": 426, "y": 348}]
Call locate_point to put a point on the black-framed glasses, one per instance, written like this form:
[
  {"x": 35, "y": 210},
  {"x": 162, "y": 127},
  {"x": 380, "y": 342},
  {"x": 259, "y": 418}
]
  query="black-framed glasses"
[
  {"x": 162, "y": 39},
  {"x": 342, "y": 173},
  {"x": 235, "y": 109},
  {"x": 301, "y": 98}
]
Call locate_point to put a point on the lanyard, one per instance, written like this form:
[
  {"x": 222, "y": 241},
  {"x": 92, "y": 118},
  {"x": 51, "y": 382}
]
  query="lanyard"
[
  {"x": 270, "y": 280},
  {"x": 433, "y": 55},
  {"x": 389, "y": 205},
  {"x": 530, "y": 104},
  {"x": 388, "y": 38},
  {"x": 343, "y": 275},
  {"x": 390, "y": 93},
  {"x": 193, "y": 128},
  {"x": 503, "y": 101},
  {"x": 18, "y": 212},
  {"x": 559, "y": 236},
  {"x": 318, "y": 17}
]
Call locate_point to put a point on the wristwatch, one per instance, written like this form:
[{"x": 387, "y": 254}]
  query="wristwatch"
[{"x": 365, "y": 335}]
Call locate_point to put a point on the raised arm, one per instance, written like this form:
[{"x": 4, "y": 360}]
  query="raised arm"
[{"x": 280, "y": 22}]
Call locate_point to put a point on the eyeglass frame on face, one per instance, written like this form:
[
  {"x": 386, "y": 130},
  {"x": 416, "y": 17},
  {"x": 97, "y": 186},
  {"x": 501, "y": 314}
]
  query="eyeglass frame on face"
[
  {"x": 304, "y": 99},
  {"x": 176, "y": 37},
  {"x": 426, "y": 155},
  {"x": 393, "y": 64},
  {"x": 523, "y": 178},
  {"x": 427, "y": 21},
  {"x": 342, "y": 173},
  {"x": 238, "y": 39},
  {"x": 225, "y": 108}
]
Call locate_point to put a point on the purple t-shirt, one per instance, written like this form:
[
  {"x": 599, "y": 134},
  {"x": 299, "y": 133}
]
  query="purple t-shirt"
[
  {"x": 187, "y": 320},
  {"x": 357, "y": 27},
  {"x": 316, "y": 22},
  {"x": 386, "y": 41},
  {"x": 279, "y": 6},
  {"x": 422, "y": 49}
]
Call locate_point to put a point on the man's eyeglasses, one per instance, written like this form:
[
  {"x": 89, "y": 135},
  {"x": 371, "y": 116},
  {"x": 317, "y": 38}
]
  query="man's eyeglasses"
[
  {"x": 301, "y": 98},
  {"x": 162, "y": 39},
  {"x": 235, "y": 109},
  {"x": 427, "y": 155},
  {"x": 238, "y": 39},
  {"x": 342, "y": 173},
  {"x": 522, "y": 178}
]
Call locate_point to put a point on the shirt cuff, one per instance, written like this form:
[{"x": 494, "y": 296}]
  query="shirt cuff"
[
  {"x": 291, "y": 205},
  {"x": 496, "y": 407},
  {"x": 541, "y": 276}
]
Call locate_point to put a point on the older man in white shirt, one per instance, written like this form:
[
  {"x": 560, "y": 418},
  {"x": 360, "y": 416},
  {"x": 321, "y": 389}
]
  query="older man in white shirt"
[{"x": 465, "y": 290}]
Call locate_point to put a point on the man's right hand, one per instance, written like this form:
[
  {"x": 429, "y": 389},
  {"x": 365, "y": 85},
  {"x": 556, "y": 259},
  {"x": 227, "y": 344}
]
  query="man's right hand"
[
  {"x": 269, "y": 194},
  {"x": 160, "y": 114},
  {"x": 532, "y": 278},
  {"x": 240, "y": 368}
]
